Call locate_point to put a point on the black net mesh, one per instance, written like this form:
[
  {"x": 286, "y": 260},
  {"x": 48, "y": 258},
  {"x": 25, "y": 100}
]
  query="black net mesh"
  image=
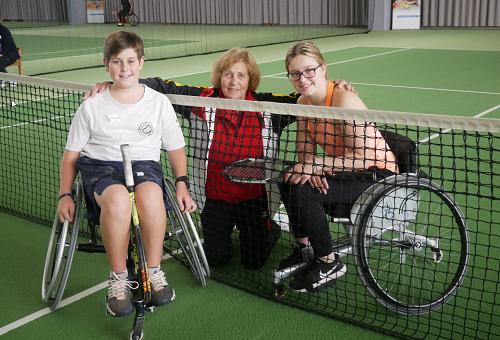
[{"x": 420, "y": 249}]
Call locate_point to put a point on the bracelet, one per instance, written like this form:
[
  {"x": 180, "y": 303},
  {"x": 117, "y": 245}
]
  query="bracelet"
[{"x": 64, "y": 195}]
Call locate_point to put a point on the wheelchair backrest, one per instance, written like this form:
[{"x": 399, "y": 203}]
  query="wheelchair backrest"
[{"x": 404, "y": 149}]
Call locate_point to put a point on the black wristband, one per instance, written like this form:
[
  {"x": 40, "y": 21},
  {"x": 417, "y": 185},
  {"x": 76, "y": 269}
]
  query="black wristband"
[
  {"x": 184, "y": 179},
  {"x": 64, "y": 195}
]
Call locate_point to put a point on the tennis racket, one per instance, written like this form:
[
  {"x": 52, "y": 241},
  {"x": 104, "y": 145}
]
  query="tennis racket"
[
  {"x": 257, "y": 170},
  {"x": 138, "y": 247},
  {"x": 262, "y": 171}
]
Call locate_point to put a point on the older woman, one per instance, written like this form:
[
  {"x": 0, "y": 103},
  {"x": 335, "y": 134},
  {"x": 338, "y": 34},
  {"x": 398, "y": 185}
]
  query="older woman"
[{"x": 220, "y": 137}]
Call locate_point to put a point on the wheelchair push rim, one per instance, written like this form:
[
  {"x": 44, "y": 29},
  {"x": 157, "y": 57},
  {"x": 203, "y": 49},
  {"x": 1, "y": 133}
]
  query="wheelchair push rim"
[
  {"x": 62, "y": 245},
  {"x": 412, "y": 261}
]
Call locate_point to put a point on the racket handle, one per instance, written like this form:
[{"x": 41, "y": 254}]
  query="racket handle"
[{"x": 127, "y": 165}]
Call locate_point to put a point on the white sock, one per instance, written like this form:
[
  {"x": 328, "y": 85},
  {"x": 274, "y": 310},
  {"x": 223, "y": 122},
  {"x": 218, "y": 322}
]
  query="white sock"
[
  {"x": 154, "y": 270},
  {"x": 121, "y": 275}
]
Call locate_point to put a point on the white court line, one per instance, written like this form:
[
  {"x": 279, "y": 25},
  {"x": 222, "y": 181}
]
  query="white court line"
[
  {"x": 262, "y": 62},
  {"x": 63, "y": 303},
  {"x": 33, "y": 121},
  {"x": 425, "y": 140},
  {"x": 349, "y": 60},
  {"x": 47, "y": 310},
  {"x": 426, "y": 88}
]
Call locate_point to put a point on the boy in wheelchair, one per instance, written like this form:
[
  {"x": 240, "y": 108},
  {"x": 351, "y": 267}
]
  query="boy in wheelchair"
[{"x": 129, "y": 113}]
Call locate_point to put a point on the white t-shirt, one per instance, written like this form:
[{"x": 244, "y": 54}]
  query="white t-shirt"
[{"x": 102, "y": 124}]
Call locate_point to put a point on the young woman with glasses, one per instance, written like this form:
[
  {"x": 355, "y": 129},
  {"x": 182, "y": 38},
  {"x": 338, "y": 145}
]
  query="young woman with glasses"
[{"x": 310, "y": 190}]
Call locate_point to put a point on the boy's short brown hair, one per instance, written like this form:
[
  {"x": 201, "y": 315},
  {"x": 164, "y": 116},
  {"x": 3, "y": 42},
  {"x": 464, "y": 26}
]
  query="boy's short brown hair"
[{"x": 121, "y": 40}]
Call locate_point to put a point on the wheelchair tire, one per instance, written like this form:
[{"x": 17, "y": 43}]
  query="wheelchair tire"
[
  {"x": 185, "y": 236},
  {"x": 133, "y": 19},
  {"x": 62, "y": 245},
  {"x": 411, "y": 245}
]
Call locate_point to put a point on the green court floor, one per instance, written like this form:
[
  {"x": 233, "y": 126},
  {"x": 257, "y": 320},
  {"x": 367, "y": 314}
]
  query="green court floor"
[{"x": 446, "y": 72}]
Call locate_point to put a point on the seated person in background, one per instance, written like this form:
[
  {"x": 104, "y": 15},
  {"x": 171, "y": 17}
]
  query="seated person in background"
[
  {"x": 310, "y": 189},
  {"x": 127, "y": 8},
  {"x": 233, "y": 136},
  {"x": 128, "y": 113},
  {"x": 8, "y": 51}
]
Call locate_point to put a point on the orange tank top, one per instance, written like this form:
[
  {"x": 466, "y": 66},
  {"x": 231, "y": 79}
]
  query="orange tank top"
[{"x": 329, "y": 136}]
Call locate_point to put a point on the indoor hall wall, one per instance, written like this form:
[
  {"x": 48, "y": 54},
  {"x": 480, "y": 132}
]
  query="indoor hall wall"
[
  {"x": 460, "y": 13},
  {"x": 213, "y": 12}
]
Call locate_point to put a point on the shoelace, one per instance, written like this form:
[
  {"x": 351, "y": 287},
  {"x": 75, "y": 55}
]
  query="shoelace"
[
  {"x": 158, "y": 280},
  {"x": 118, "y": 288}
]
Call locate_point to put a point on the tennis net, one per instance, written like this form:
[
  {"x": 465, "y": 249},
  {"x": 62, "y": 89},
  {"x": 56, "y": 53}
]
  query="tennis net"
[
  {"x": 422, "y": 252},
  {"x": 50, "y": 44}
]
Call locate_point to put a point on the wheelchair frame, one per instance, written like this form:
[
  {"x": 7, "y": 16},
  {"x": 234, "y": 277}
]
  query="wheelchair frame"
[
  {"x": 132, "y": 19},
  {"x": 388, "y": 232},
  {"x": 63, "y": 243}
]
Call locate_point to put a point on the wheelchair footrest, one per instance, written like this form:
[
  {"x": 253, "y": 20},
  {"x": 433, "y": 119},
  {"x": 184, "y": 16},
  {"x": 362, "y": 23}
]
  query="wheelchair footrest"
[{"x": 91, "y": 248}]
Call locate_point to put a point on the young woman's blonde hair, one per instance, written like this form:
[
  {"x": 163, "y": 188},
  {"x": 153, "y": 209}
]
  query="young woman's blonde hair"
[
  {"x": 121, "y": 40},
  {"x": 306, "y": 48},
  {"x": 231, "y": 57}
]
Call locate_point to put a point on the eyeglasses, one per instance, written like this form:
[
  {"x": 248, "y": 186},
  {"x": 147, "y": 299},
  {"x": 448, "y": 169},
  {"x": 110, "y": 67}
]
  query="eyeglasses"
[{"x": 309, "y": 73}]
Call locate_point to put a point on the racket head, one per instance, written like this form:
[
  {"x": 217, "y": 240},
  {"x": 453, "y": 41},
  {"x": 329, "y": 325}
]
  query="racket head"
[{"x": 257, "y": 170}]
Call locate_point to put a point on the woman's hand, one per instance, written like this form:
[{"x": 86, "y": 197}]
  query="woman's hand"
[
  {"x": 98, "y": 88},
  {"x": 302, "y": 173}
]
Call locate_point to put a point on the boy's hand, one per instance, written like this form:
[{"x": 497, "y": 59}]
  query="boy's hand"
[
  {"x": 341, "y": 83},
  {"x": 184, "y": 199},
  {"x": 98, "y": 88},
  {"x": 66, "y": 209}
]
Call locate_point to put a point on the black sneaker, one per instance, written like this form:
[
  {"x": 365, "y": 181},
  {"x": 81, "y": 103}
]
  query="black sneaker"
[
  {"x": 161, "y": 293},
  {"x": 299, "y": 254},
  {"x": 119, "y": 300},
  {"x": 319, "y": 276}
]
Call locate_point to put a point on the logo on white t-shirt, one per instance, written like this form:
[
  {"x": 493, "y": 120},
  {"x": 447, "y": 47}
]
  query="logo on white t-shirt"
[{"x": 146, "y": 129}]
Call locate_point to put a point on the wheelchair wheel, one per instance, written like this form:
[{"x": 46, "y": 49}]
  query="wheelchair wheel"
[
  {"x": 411, "y": 245},
  {"x": 62, "y": 246},
  {"x": 185, "y": 236},
  {"x": 133, "y": 19}
]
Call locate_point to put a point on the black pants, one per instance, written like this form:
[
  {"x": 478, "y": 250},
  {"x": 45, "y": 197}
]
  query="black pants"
[
  {"x": 257, "y": 232},
  {"x": 5, "y": 62},
  {"x": 122, "y": 14},
  {"x": 307, "y": 208}
]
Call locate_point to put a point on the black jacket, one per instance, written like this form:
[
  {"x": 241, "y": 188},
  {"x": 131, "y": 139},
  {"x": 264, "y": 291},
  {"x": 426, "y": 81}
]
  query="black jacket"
[{"x": 8, "y": 45}]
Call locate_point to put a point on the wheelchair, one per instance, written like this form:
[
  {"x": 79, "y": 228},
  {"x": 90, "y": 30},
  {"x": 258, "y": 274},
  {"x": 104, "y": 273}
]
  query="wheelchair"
[
  {"x": 407, "y": 235},
  {"x": 63, "y": 243},
  {"x": 131, "y": 19}
]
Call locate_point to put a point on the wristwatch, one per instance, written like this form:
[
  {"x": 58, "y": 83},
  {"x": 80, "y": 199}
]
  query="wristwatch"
[{"x": 184, "y": 179}]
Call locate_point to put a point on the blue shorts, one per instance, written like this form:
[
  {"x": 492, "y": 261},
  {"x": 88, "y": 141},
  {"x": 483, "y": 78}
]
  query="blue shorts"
[{"x": 97, "y": 175}]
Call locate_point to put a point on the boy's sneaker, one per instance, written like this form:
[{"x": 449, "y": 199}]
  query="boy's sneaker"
[
  {"x": 119, "y": 301},
  {"x": 119, "y": 24},
  {"x": 161, "y": 293},
  {"x": 299, "y": 254},
  {"x": 319, "y": 276}
]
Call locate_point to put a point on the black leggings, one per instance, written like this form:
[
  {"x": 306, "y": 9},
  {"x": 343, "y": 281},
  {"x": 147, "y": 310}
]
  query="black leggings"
[
  {"x": 307, "y": 208},
  {"x": 258, "y": 233},
  {"x": 4, "y": 62}
]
